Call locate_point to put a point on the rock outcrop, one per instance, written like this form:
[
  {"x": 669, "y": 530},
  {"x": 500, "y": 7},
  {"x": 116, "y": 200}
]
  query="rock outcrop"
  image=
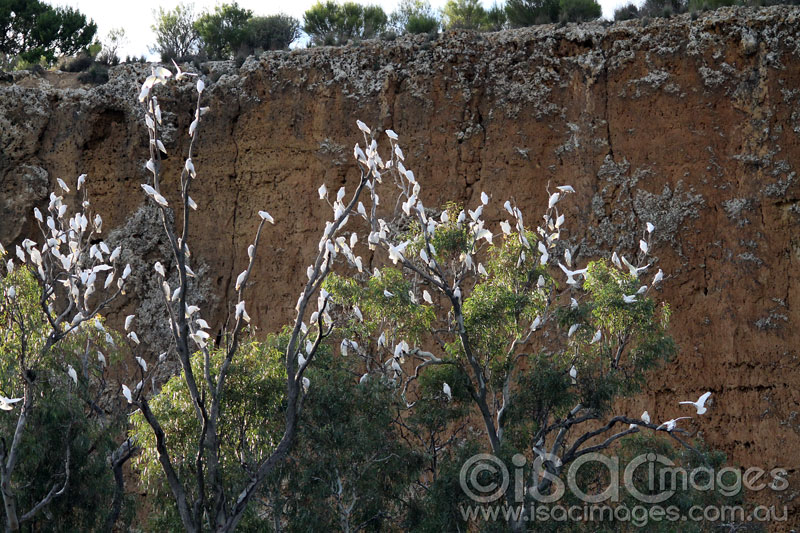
[{"x": 690, "y": 123}]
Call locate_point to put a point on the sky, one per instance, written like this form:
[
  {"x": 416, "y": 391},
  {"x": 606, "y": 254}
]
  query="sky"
[{"x": 136, "y": 17}]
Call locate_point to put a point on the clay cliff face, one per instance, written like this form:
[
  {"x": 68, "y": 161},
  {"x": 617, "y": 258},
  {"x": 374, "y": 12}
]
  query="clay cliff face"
[{"x": 693, "y": 125}]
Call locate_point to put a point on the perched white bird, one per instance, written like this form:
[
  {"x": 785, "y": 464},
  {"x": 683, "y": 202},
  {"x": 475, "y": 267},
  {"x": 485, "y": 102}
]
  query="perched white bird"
[
  {"x": 629, "y": 299},
  {"x": 565, "y": 188},
  {"x": 241, "y": 279},
  {"x": 200, "y": 86},
  {"x": 364, "y": 378},
  {"x": 241, "y": 312},
  {"x": 101, "y": 358},
  {"x": 573, "y": 374},
  {"x": 363, "y": 127},
  {"x": 129, "y": 321},
  {"x": 72, "y": 374},
  {"x": 142, "y": 363},
  {"x": 391, "y": 134},
  {"x": 62, "y": 184},
  {"x": 506, "y": 227},
  {"x": 670, "y": 425},
  {"x": 323, "y": 192},
  {"x": 643, "y": 246},
  {"x": 597, "y": 336},
  {"x": 645, "y": 419},
  {"x": 160, "y": 269},
  {"x": 132, "y": 336},
  {"x": 482, "y": 270},
  {"x": 301, "y": 360},
  {"x": 266, "y": 216},
  {"x": 650, "y": 227},
  {"x": 572, "y": 329},
  {"x": 160, "y": 200},
  {"x": 642, "y": 289},
  {"x": 658, "y": 277},
  {"x": 396, "y": 366},
  {"x": 700, "y": 404},
  {"x": 6, "y": 404},
  {"x": 573, "y": 303},
  {"x": 484, "y": 200},
  {"x": 388, "y": 294},
  {"x": 127, "y": 393},
  {"x": 553, "y": 200},
  {"x": 81, "y": 180},
  {"x": 306, "y": 384},
  {"x": 447, "y": 391},
  {"x": 457, "y": 293},
  {"x": 427, "y": 297},
  {"x": 568, "y": 257}
]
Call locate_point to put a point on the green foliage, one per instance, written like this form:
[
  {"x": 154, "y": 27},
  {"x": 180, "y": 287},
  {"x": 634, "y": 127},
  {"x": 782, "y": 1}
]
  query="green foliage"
[
  {"x": 32, "y": 29},
  {"x": 496, "y": 17},
  {"x": 664, "y": 8},
  {"x": 108, "y": 55},
  {"x": 523, "y": 13},
  {"x": 175, "y": 32},
  {"x": 579, "y": 10},
  {"x": 465, "y": 15},
  {"x": 626, "y": 12},
  {"x": 350, "y": 466},
  {"x": 331, "y": 23},
  {"x": 223, "y": 32},
  {"x": 97, "y": 74},
  {"x": 63, "y": 418},
  {"x": 251, "y": 425},
  {"x": 275, "y": 32},
  {"x": 415, "y": 17}
]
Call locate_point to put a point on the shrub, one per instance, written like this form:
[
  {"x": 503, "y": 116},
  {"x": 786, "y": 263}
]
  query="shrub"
[
  {"x": 496, "y": 18},
  {"x": 523, "y": 13},
  {"x": 275, "y": 32},
  {"x": 96, "y": 75},
  {"x": 662, "y": 8},
  {"x": 79, "y": 63},
  {"x": 579, "y": 10},
  {"x": 223, "y": 32},
  {"x": 175, "y": 33},
  {"x": 108, "y": 55},
  {"x": 335, "y": 24},
  {"x": 626, "y": 12},
  {"x": 464, "y": 14},
  {"x": 415, "y": 17}
]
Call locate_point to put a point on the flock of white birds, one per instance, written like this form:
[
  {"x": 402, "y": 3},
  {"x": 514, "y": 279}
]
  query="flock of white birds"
[{"x": 379, "y": 236}]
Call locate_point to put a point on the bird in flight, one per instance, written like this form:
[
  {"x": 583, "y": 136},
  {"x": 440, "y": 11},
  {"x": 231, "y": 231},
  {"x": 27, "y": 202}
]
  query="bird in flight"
[
  {"x": 700, "y": 404},
  {"x": 670, "y": 425}
]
